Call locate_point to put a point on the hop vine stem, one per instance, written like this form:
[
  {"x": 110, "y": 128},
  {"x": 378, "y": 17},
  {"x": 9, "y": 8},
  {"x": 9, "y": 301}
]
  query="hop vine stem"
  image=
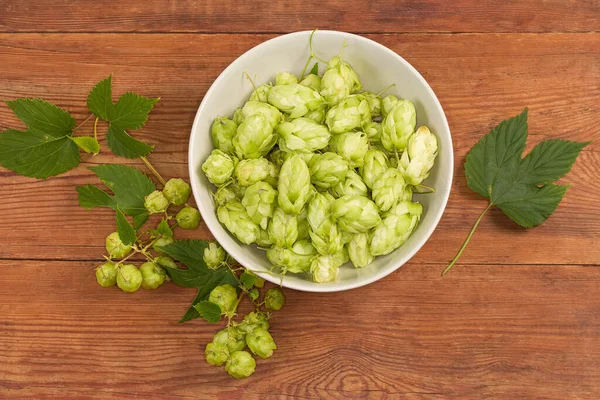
[
  {"x": 153, "y": 170},
  {"x": 464, "y": 246}
]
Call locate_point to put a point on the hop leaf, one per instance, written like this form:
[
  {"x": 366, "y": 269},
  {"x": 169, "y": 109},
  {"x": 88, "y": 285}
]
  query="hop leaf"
[
  {"x": 124, "y": 229},
  {"x": 209, "y": 311}
]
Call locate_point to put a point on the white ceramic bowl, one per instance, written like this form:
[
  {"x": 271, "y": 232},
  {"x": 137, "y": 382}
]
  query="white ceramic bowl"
[{"x": 377, "y": 66}]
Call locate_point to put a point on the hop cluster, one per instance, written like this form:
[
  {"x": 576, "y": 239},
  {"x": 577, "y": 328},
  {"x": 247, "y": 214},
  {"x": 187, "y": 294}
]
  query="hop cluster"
[{"x": 328, "y": 171}]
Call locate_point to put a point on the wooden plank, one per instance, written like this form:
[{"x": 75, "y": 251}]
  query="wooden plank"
[
  {"x": 480, "y": 80},
  {"x": 213, "y": 16},
  {"x": 495, "y": 331}
]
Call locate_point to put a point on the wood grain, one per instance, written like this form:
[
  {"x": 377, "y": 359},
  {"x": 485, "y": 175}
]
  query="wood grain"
[
  {"x": 489, "y": 332},
  {"x": 478, "y": 82},
  {"x": 217, "y": 16}
]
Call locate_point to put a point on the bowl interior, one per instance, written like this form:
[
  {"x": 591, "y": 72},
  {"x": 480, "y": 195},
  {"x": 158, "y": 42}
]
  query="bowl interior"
[{"x": 377, "y": 67}]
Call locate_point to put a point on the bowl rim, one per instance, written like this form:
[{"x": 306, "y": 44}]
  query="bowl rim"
[{"x": 311, "y": 286}]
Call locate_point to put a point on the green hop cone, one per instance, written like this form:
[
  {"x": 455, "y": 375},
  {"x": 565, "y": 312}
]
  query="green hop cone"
[
  {"x": 165, "y": 262},
  {"x": 253, "y": 320},
  {"x": 283, "y": 228},
  {"x": 352, "y": 185},
  {"x": 218, "y": 167},
  {"x": 295, "y": 99},
  {"x": 395, "y": 228},
  {"x": 156, "y": 202},
  {"x": 254, "y": 137},
  {"x": 161, "y": 242},
  {"x": 238, "y": 116},
  {"x": 348, "y": 114},
  {"x": 274, "y": 299},
  {"x": 346, "y": 237},
  {"x": 271, "y": 113},
  {"x": 373, "y": 130},
  {"x": 388, "y": 189},
  {"x": 324, "y": 232},
  {"x": 312, "y": 81},
  {"x": 222, "y": 131},
  {"x": 216, "y": 354},
  {"x": 214, "y": 255},
  {"x": 224, "y": 194},
  {"x": 387, "y": 103},
  {"x": 374, "y": 102},
  {"x": 303, "y": 226},
  {"x": 261, "y": 93},
  {"x": 352, "y": 146},
  {"x": 259, "y": 201},
  {"x": 296, "y": 259},
  {"x": 253, "y": 294},
  {"x": 129, "y": 278},
  {"x": 325, "y": 268},
  {"x": 358, "y": 250},
  {"x": 115, "y": 247},
  {"x": 317, "y": 115},
  {"x": 261, "y": 343},
  {"x": 398, "y": 126},
  {"x": 225, "y": 296},
  {"x": 339, "y": 80},
  {"x": 327, "y": 169},
  {"x": 233, "y": 338},
  {"x": 302, "y": 135},
  {"x": 278, "y": 157},
  {"x": 240, "y": 364},
  {"x": 374, "y": 167},
  {"x": 407, "y": 193},
  {"x": 188, "y": 218},
  {"x": 152, "y": 275},
  {"x": 285, "y": 78},
  {"x": 355, "y": 214},
  {"x": 294, "y": 185},
  {"x": 248, "y": 172},
  {"x": 236, "y": 219},
  {"x": 420, "y": 154},
  {"x": 106, "y": 274},
  {"x": 177, "y": 191},
  {"x": 263, "y": 239}
]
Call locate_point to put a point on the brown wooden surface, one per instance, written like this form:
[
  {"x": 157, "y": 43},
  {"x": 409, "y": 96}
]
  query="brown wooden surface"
[{"x": 518, "y": 318}]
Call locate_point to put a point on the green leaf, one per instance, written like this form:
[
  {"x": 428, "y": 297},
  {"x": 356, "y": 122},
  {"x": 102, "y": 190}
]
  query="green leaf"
[
  {"x": 198, "y": 275},
  {"x": 494, "y": 169},
  {"x": 521, "y": 187},
  {"x": 130, "y": 112},
  {"x": 45, "y": 148},
  {"x": 209, "y": 311},
  {"x": 315, "y": 69},
  {"x": 129, "y": 186},
  {"x": 124, "y": 229},
  {"x": 125, "y": 145},
  {"x": 164, "y": 229},
  {"x": 247, "y": 280},
  {"x": 87, "y": 144}
]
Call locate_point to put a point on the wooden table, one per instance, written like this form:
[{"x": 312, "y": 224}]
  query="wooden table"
[{"x": 518, "y": 318}]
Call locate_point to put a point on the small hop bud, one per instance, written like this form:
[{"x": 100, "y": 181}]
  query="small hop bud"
[
  {"x": 218, "y": 167},
  {"x": 214, "y": 255},
  {"x": 274, "y": 299},
  {"x": 231, "y": 337},
  {"x": 216, "y": 354},
  {"x": 115, "y": 247},
  {"x": 106, "y": 274},
  {"x": 225, "y": 296},
  {"x": 223, "y": 130},
  {"x": 285, "y": 78},
  {"x": 152, "y": 275},
  {"x": 161, "y": 242},
  {"x": 278, "y": 157},
  {"x": 177, "y": 191},
  {"x": 165, "y": 262},
  {"x": 240, "y": 364},
  {"x": 129, "y": 278},
  {"x": 254, "y": 320},
  {"x": 398, "y": 126},
  {"x": 253, "y": 294},
  {"x": 156, "y": 202},
  {"x": 355, "y": 214},
  {"x": 324, "y": 232},
  {"x": 317, "y": 115},
  {"x": 261, "y": 343},
  {"x": 188, "y": 218}
]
